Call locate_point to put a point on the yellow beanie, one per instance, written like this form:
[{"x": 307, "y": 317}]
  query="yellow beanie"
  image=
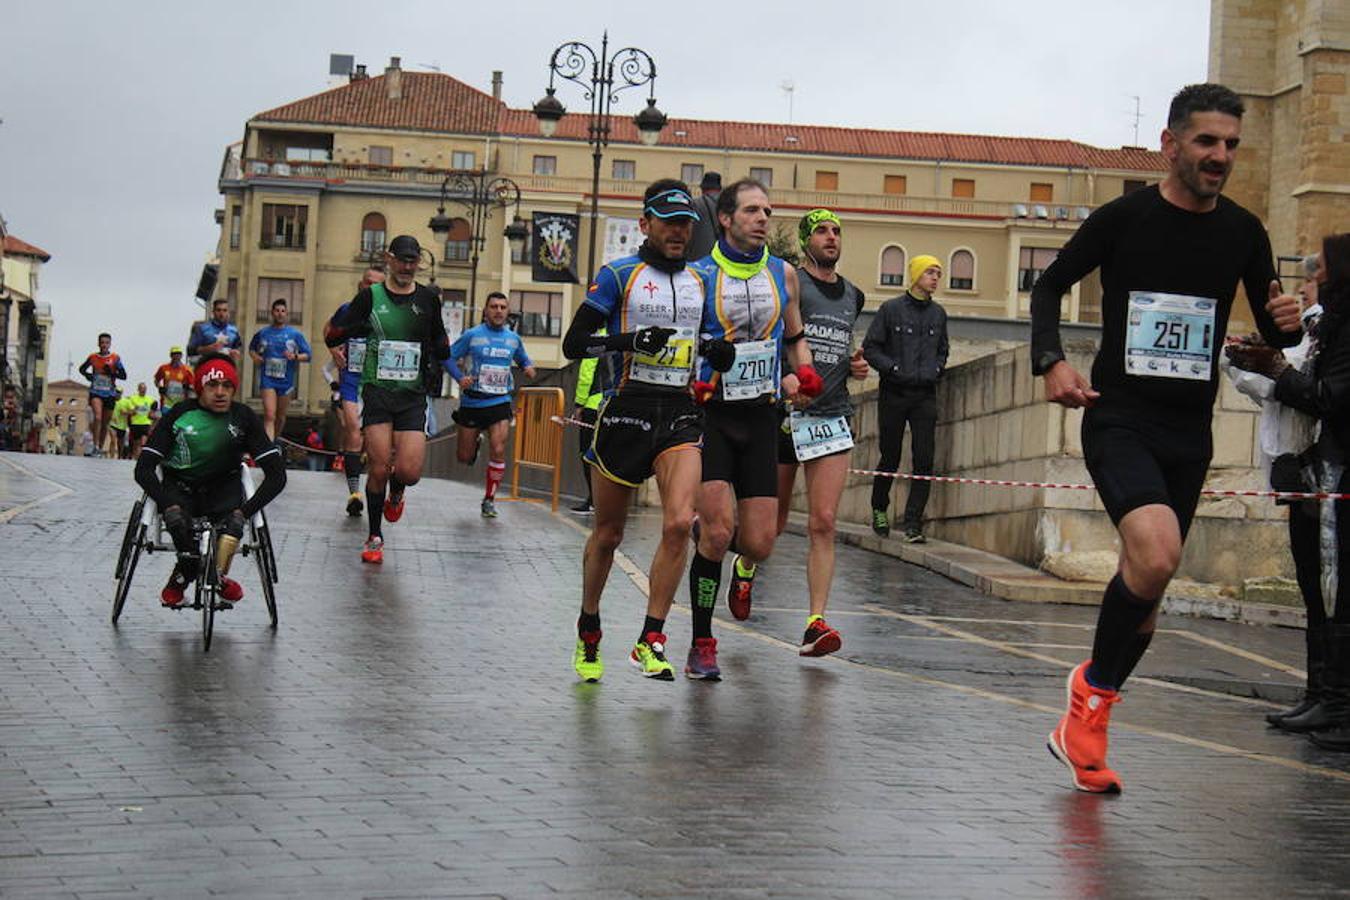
[{"x": 920, "y": 264}]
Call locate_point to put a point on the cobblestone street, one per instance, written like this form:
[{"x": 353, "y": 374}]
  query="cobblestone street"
[{"x": 416, "y": 730}]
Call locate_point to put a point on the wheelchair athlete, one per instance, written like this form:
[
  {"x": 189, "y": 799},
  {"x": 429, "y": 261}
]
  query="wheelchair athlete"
[{"x": 201, "y": 444}]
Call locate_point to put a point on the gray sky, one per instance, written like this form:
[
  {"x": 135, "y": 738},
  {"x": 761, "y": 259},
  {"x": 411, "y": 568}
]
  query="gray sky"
[{"x": 115, "y": 115}]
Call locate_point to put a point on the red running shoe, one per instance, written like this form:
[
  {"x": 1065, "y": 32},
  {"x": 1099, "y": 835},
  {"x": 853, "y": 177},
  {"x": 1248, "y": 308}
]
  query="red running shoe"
[
  {"x": 393, "y": 511},
  {"x": 1079, "y": 740},
  {"x": 820, "y": 639},
  {"x": 738, "y": 593},
  {"x": 373, "y": 551},
  {"x": 172, "y": 595},
  {"x": 231, "y": 591}
]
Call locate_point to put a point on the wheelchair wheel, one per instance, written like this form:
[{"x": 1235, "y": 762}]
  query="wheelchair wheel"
[
  {"x": 265, "y": 578},
  {"x": 127, "y": 569},
  {"x": 265, "y": 536},
  {"x": 128, "y": 536},
  {"x": 207, "y": 585}
]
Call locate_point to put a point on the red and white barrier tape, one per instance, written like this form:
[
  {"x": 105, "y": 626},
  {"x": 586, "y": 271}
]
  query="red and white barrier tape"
[{"x": 998, "y": 482}]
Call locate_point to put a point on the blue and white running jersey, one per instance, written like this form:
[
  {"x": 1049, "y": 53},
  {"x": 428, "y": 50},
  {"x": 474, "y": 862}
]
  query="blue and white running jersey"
[{"x": 490, "y": 353}]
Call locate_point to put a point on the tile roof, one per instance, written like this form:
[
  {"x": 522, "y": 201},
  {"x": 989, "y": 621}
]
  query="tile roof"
[
  {"x": 436, "y": 102},
  {"x": 15, "y": 247},
  {"x": 430, "y": 102}
]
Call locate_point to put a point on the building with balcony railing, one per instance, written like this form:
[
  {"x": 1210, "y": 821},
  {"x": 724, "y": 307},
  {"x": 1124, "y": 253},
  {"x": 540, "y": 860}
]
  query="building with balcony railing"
[
  {"x": 316, "y": 185},
  {"x": 25, "y": 335}
]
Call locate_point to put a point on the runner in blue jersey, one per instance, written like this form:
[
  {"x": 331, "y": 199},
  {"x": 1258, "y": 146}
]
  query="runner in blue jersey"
[
  {"x": 643, "y": 312},
  {"x": 278, "y": 349},
  {"x": 750, "y": 310},
  {"x": 485, "y": 405},
  {"x": 349, "y": 358},
  {"x": 215, "y": 335}
]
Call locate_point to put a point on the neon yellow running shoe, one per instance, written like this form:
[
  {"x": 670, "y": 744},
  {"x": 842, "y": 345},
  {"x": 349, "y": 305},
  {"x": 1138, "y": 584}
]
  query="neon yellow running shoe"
[
  {"x": 586, "y": 659},
  {"x": 649, "y": 657}
]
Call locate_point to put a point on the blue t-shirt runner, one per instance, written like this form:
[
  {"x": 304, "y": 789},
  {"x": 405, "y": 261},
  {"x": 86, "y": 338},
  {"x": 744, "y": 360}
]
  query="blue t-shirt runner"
[
  {"x": 273, "y": 343},
  {"x": 489, "y": 352}
]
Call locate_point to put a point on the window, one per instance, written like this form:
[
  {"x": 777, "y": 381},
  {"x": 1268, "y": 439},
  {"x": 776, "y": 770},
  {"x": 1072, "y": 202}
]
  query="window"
[
  {"x": 763, "y": 176},
  {"x": 893, "y": 266},
  {"x": 691, "y": 174},
  {"x": 827, "y": 181},
  {"x": 232, "y": 295},
  {"x": 236, "y": 226},
  {"x": 521, "y": 257},
  {"x": 540, "y": 313},
  {"x": 462, "y": 159},
  {"x": 70, "y": 421},
  {"x": 1042, "y": 192},
  {"x": 1031, "y": 262},
  {"x": 381, "y": 156},
  {"x": 625, "y": 170},
  {"x": 292, "y": 290},
  {"x": 961, "y": 272},
  {"x": 895, "y": 184},
  {"x": 307, "y": 154},
  {"x": 284, "y": 226},
  {"x": 963, "y": 187},
  {"x": 458, "y": 240},
  {"x": 1131, "y": 185},
  {"x": 372, "y": 234},
  {"x": 545, "y": 165}
]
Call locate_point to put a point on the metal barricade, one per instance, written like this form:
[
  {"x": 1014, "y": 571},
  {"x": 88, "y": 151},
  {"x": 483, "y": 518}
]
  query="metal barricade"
[{"x": 539, "y": 438}]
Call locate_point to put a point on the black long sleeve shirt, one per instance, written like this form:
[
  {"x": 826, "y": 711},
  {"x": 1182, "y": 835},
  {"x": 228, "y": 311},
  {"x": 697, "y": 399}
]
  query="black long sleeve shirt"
[{"x": 1143, "y": 243}]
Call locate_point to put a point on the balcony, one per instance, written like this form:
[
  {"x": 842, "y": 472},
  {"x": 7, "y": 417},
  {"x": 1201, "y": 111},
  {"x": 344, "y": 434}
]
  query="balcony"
[{"x": 430, "y": 179}]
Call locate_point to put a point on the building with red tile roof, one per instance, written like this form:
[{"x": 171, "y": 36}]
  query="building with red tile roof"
[{"x": 317, "y": 183}]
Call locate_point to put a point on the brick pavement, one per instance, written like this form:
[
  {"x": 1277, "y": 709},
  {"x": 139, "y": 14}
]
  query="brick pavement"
[{"x": 416, "y": 731}]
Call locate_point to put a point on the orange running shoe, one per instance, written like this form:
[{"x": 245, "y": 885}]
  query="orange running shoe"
[
  {"x": 393, "y": 511},
  {"x": 1079, "y": 740},
  {"x": 373, "y": 551}
]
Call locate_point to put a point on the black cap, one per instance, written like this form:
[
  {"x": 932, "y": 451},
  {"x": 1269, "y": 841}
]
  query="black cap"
[
  {"x": 712, "y": 181},
  {"x": 405, "y": 246},
  {"x": 670, "y": 204}
]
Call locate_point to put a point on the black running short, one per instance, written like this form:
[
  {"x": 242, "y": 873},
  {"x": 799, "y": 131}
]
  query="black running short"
[
  {"x": 406, "y": 410},
  {"x": 215, "y": 499},
  {"x": 1134, "y": 467},
  {"x": 740, "y": 446},
  {"x": 139, "y": 431},
  {"x": 633, "y": 432},
  {"x": 481, "y": 417}
]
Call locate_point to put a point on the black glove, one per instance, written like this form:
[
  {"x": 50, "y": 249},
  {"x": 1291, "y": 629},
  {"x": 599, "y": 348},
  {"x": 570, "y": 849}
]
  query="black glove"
[
  {"x": 651, "y": 339},
  {"x": 720, "y": 354},
  {"x": 179, "y": 527},
  {"x": 234, "y": 524}
]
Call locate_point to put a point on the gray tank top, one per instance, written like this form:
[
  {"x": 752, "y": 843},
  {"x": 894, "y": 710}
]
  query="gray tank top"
[{"x": 829, "y": 310}]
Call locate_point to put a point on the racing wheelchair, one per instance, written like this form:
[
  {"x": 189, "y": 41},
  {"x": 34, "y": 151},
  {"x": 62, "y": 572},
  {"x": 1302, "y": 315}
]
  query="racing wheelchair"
[{"x": 145, "y": 534}]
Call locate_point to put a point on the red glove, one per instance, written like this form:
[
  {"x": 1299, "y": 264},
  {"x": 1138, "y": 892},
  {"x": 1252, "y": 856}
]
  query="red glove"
[
  {"x": 704, "y": 391},
  {"x": 809, "y": 381}
]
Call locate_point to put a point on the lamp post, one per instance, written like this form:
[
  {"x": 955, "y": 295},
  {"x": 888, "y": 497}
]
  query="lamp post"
[
  {"x": 478, "y": 194},
  {"x": 626, "y": 68}
]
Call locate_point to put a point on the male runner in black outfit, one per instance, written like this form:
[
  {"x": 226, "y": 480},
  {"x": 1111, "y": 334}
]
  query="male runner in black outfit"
[{"x": 1171, "y": 257}]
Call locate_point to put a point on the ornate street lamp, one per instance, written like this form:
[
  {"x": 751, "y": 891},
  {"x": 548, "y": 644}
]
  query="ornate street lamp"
[
  {"x": 626, "y": 68},
  {"x": 478, "y": 194}
]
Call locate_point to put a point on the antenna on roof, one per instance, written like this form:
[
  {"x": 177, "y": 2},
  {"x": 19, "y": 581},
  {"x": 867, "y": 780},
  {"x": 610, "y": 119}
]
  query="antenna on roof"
[
  {"x": 789, "y": 88},
  {"x": 432, "y": 66},
  {"x": 1137, "y": 116}
]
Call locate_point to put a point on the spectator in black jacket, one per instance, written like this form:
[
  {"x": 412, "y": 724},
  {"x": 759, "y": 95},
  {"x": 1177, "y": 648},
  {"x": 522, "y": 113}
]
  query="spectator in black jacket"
[
  {"x": 907, "y": 344},
  {"x": 1320, "y": 539}
]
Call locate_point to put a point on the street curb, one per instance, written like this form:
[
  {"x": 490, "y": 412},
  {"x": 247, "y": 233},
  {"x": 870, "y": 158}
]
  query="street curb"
[{"x": 1008, "y": 580}]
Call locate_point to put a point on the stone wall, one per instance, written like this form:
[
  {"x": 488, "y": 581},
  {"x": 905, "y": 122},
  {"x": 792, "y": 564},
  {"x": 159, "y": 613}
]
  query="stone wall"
[{"x": 993, "y": 423}]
